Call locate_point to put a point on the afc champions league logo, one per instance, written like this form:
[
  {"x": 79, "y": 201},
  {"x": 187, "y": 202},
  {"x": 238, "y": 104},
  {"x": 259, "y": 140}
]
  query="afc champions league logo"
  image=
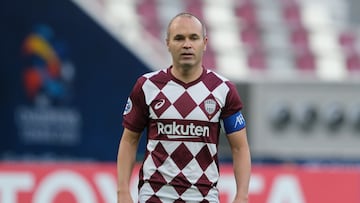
[
  {"x": 128, "y": 106},
  {"x": 48, "y": 73},
  {"x": 47, "y": 76},
  {"x": 210, "y": 106}
]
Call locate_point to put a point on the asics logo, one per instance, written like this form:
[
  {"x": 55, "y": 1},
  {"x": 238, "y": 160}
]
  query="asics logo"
[{"x": 159, "y": 104}]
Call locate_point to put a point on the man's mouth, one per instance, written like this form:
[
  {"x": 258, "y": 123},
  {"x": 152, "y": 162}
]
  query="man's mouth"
[{"x": 187, "y": 54}]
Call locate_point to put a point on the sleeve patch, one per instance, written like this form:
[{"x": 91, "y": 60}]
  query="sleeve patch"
[{"x": 128, "y": 106}]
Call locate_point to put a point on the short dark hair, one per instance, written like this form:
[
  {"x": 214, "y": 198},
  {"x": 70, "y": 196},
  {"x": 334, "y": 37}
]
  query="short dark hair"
[{"x": 190, "y": 15}]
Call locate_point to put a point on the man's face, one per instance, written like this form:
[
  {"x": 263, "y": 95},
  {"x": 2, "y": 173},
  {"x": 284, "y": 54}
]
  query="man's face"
[{"x": 186, "y": 42}]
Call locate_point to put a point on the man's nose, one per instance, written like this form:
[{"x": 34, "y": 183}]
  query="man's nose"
[{"x": 187, "y": 44}]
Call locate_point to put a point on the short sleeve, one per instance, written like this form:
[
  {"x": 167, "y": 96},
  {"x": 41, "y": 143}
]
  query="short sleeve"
[
  {"x": 136, "y": 114},
  {"x": 233, "y": 101}
]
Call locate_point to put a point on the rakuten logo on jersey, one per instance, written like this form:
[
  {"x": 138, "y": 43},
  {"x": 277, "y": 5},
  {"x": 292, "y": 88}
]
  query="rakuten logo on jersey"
[{"x": 175, "y": 130}]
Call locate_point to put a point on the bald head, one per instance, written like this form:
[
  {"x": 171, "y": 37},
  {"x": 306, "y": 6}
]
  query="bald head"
[{"x": 186, "y": 15}]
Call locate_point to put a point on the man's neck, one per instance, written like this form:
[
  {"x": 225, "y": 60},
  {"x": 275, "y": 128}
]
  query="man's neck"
[{"x": 187, "y": 74}]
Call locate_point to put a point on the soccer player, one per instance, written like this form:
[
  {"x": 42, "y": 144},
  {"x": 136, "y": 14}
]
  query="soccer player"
[{"x": 182, "y": 108}]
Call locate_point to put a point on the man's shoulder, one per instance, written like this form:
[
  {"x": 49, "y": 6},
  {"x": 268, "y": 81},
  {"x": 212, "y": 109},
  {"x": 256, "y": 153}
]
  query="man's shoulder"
[
  {"x": 214, "y": 74},
  {"x": 215, "y": 79},
  {"x": 154, "y": 73},
  {"x": 153, "y": 77}
]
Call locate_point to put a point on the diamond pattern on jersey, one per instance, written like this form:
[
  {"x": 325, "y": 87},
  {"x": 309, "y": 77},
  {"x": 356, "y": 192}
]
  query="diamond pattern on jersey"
[
  {"x": 170, "y": 173},
  {"x": 159, "y": 105},
  {"x": 179, "y": 201},
  {"x": 194, "y": 148},
  {"x": 170, "y": 146},
  {"x": 159, "y": 155},
  {"x": 218, "y": 92},
  {"x": 212, "y": 172},
  {"x": 212, "y": 81},
  {"x": 182, "y": 181},
  {"x": 212, "y": 149},
  {"x": 185, "y": 103},
  {"x": 150, "y": 95},
  {"x": 145, "y": 192},
  {"x": 193, "y": 171},
  {"x": 148, "y": 167},
  {"x": 189, "y": 165},
  {"x": 161, "y": 79},
  {"x": 215, "y": 118},
  {"x": 198, "y": 92},
  {"x": 209, "y": 107},
  {"x": 202, "y": 185},
  {"x": 197, "y": 114},
  {"x": 151, "y": 145},
  {"x": 169, "y": 170},
  {"x": 173, "y": 91},
  {"x": 157, "y": 176},
  {"x": 202, "y": 158},
  {"x": 153, "y": 199},
  {"x": 171, "y": 113},
  {"x": 193, "y": 192},
  {"x": 168, "y": 190},
  {"x": 182, "y": 156}
]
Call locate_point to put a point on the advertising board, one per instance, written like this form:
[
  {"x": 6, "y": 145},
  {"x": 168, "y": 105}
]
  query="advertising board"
[{"x": 96, "y": 183}]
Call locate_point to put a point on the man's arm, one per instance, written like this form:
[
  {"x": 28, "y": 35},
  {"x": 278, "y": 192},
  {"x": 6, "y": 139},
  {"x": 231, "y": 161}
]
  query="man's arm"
[
  {"x": 241, "y": 164},
  {"x": 125, "y": 163}
]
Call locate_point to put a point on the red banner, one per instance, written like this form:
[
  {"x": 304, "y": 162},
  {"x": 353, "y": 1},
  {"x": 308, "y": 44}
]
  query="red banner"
[{"x": 96, "y": 183}]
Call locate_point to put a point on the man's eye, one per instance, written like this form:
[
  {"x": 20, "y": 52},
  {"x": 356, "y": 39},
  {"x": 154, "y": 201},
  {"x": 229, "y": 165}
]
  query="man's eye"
[{"x": 194, "y": 37}]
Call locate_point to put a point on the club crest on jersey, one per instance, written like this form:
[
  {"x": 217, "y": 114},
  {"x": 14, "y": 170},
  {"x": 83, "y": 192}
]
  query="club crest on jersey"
[
  {"x": 210, "y": 106},
  {"x": 128, "y": 106}
]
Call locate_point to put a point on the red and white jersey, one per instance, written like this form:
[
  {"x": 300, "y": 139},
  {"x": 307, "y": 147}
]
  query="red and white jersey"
[{"x": 183, "y": 126}]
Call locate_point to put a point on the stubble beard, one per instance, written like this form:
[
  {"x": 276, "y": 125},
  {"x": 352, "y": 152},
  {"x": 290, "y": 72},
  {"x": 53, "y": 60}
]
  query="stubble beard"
[{"x": 186, "y": 66}]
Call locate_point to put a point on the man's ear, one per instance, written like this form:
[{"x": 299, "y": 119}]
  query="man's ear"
[{"x": 205, "y": 43}]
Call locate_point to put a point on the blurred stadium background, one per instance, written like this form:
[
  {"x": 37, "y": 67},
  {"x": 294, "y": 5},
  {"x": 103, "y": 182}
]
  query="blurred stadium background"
[{"x": 68, "y": 66}]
